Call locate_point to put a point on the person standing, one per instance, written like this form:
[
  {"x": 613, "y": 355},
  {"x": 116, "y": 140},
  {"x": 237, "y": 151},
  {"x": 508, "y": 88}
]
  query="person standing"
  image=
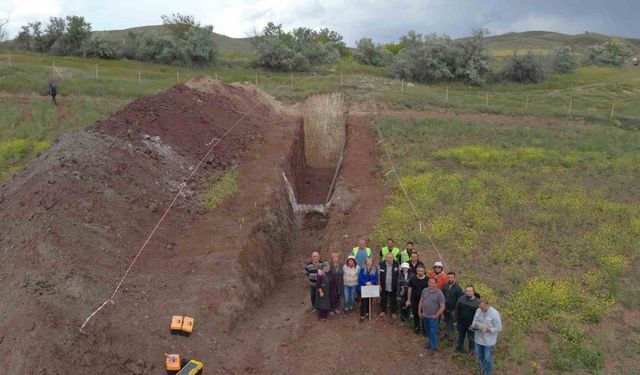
[
  {"x": 414, "y": 262},
  {"x": 390, "y": 248},
  {"x": 350, "y": 273},
  {"x": 367, "y": 276},
  {"x": 452, "y": 292},
  {"x": 337, "y": 286},
  {"x": 416, "y": 285},
  {"x": 431, "y": 306},
  {"x": 405, "y": 255},
  {"x": 361, "y": 252},
  {"x": 404, "y": 277},
  {"x": 487, "y": 324},
  {"x": 53, "y": 91},
  {"x": 439, "y": 275},
  {"x": 388, "y": 276},
  {"x": 464, "y": 312},
  {"x": 323, "y": 290},
  {"x": 311, "y": 270}
]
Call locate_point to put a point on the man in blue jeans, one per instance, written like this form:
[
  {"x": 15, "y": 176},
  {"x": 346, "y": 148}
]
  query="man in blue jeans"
[
  {"x": 486, "y": 324},
  {"x": 432, "y": 305}
]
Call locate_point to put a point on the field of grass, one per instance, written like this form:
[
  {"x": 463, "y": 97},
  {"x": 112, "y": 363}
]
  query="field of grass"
[
  {"x": 589, "y": 93},
  {"x": 545, "y": 219}
]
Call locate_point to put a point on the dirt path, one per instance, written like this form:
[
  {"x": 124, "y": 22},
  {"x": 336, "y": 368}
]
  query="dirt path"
[{"x": 281, "y": 336}]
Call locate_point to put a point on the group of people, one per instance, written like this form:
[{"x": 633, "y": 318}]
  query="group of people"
[{"x": 421, "y": 298}]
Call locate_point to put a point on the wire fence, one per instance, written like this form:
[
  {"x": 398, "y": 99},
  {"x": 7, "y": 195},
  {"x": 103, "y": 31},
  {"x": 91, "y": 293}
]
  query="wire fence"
[{"x": 601, "y": 101}]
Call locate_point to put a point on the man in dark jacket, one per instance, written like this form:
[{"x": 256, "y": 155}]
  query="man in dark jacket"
[
  {"x": 452, "y": 292},
  {"x": 388, "y": 279},
  {"x": 464, "y": 312},
  {"x": 53, "y": 91}
]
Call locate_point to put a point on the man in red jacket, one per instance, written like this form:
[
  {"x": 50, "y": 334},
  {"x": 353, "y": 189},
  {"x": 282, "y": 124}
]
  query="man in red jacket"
[{"x": 439, "y": 275}]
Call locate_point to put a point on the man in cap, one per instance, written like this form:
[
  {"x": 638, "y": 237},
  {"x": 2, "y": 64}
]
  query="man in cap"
[{"x": 311, "y": 270}]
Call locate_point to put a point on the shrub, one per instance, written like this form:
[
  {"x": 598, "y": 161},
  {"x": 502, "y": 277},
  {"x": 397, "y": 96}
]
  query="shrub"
[
  {"x": 426, "y": 59},
  {"x": 299, "y": 50},
  {"x": 369, "y": 54},
  {"x": 527, "y": 68},
  {"x": 613, "y": 53},
  {"x": 519, "y": 247},
  {"x": 562, "y": 60}
]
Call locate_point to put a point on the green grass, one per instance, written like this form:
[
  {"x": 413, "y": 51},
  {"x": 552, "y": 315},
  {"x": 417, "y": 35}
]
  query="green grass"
[
  {"x": 546, "y": 217},
  {"x": 222, "y": 187}
]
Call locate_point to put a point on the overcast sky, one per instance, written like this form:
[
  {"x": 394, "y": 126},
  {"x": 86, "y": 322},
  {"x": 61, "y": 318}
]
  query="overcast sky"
[{"x": 383, "y": 20}]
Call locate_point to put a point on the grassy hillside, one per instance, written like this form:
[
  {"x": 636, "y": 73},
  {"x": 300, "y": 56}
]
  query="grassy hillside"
[
  {"x": 543, "y": 219},
  {"x": 227, "y": 45},
  {"x": 27, "y": 118},
  {"x": 546, "y": 40}
]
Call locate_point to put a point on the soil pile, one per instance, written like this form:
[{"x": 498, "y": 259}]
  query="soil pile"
[{"x": 72, "y": 221}]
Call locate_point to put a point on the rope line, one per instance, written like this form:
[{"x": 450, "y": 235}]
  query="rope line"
[
  {"x": 175, "y": 198},
  {"x": 406, "y": 194}
]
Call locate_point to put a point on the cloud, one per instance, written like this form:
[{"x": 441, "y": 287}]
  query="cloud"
[{"x": 382, "y": 20}]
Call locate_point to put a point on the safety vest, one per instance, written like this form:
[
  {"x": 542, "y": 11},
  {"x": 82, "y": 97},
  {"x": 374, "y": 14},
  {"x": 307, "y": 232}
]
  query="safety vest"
[
  {"x": 355, "y": 252},
  {"x": 395, "y": 251},
  {"x": 405, "y": 256}
]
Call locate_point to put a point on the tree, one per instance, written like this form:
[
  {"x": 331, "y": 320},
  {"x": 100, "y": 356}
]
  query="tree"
[
  {"x": 179, "y": 24},
  {"x": 523, "y": 69},
  {"x": 562, "y": 60},
  {"x": 299, "y": 49},
  {"x": 428, "y": 59},
  {"x": 55, "y": 30},
  {"x": 97, "y": 47},
  {"x": 613, "y": 53},
  {"x": 198, "y": 48},
  {"x": 157, "y": 48},
  {"x": 3, "y": 29},
  {"x": 369, "y": 54},
  {"x": 77, "y": 32},
  {"x": 32, "y": 37},
  {"x": 472, "y": 60}
]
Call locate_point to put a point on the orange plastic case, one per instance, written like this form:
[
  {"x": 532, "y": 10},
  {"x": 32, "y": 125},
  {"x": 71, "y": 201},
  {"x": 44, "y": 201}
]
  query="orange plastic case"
[
  {"x": 173, "y": 362},
  {"x": 176, "y": 323},
  {"x": 187, "y": 324}
]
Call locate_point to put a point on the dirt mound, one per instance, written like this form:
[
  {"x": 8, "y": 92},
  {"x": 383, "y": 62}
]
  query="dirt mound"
[
  {"x": 73, "y": 220},
  {"x": 214, "y": 86}
]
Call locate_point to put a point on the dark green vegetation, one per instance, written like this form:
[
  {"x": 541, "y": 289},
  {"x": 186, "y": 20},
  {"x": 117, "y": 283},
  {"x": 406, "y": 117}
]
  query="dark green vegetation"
[{"x": 544, "y": 219}]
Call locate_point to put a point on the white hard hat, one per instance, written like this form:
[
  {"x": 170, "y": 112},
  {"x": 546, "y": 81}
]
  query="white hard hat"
[
  {"x": 405, "y": 265},
  {"x": 438, "y": 264}
]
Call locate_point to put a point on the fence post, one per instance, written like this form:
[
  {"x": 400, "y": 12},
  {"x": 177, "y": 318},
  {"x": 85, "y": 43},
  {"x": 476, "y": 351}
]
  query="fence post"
[
  {"x": 401, "y": 86},
  {"x": 446, "y": 96},
  {"x": 139, "y": 77},
  {"x": 97, "y": 77},
  {"x": 291, "y": 81},
  {"x": 256, "y": 79},
  {"x": 53, "y": 69},
  {"x": 486, "y": 99},
  {"x": 178, "y": 76},
  {"x": 613, "y": 109},
  {"x": 341, "y": 81},
  {"x": 570, "y": 105},
  {"x": 526, "y": 105}
]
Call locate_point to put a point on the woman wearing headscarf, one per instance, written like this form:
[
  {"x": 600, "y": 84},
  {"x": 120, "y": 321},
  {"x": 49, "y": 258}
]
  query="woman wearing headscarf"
[{"x": 323, "y": 286}]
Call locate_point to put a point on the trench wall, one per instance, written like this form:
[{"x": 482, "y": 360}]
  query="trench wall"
[{"x": 324, "y": 131}]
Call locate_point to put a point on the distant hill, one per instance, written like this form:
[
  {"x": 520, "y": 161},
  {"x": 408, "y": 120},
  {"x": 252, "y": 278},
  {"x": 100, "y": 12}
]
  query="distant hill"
[
  {"x": 545, "y": 40},
  {"x": 501, "y": 44},
  {"x": 225, "y": 44}
]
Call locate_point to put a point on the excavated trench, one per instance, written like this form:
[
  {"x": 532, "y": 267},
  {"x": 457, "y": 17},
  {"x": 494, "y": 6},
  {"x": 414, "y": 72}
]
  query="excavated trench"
[{"x": 318, "y": 156}]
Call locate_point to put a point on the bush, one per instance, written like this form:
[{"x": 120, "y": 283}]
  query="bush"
[
  {"x": 562, "y": 60},
  {"x": 369, "y": 54},
  {"x": 299, "y": 50},
  {"x": 157, "y": 48},
  {"x": 435, "y": 58},
  {"x": 99, "y": 48},
  {"x": 613, "y": 53},
  {"x": 523, "y": 69}
]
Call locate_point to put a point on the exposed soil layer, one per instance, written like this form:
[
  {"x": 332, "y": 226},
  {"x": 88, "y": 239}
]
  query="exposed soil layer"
[
  {"x": 313, "y": 185},
  {"x": 73, "y": 220}
]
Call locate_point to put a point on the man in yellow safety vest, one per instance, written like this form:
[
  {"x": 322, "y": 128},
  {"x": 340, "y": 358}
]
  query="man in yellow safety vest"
[
  {"x": 390, "y": 248},
  {"x": 361, "y": 252}
]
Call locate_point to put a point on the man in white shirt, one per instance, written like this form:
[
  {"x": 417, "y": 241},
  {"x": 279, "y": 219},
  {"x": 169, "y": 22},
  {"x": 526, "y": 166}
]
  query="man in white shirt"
[{"x": 486, "y": 324}]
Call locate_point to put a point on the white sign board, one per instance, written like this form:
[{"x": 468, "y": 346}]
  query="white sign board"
[{"x": 371, "y": 291}]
